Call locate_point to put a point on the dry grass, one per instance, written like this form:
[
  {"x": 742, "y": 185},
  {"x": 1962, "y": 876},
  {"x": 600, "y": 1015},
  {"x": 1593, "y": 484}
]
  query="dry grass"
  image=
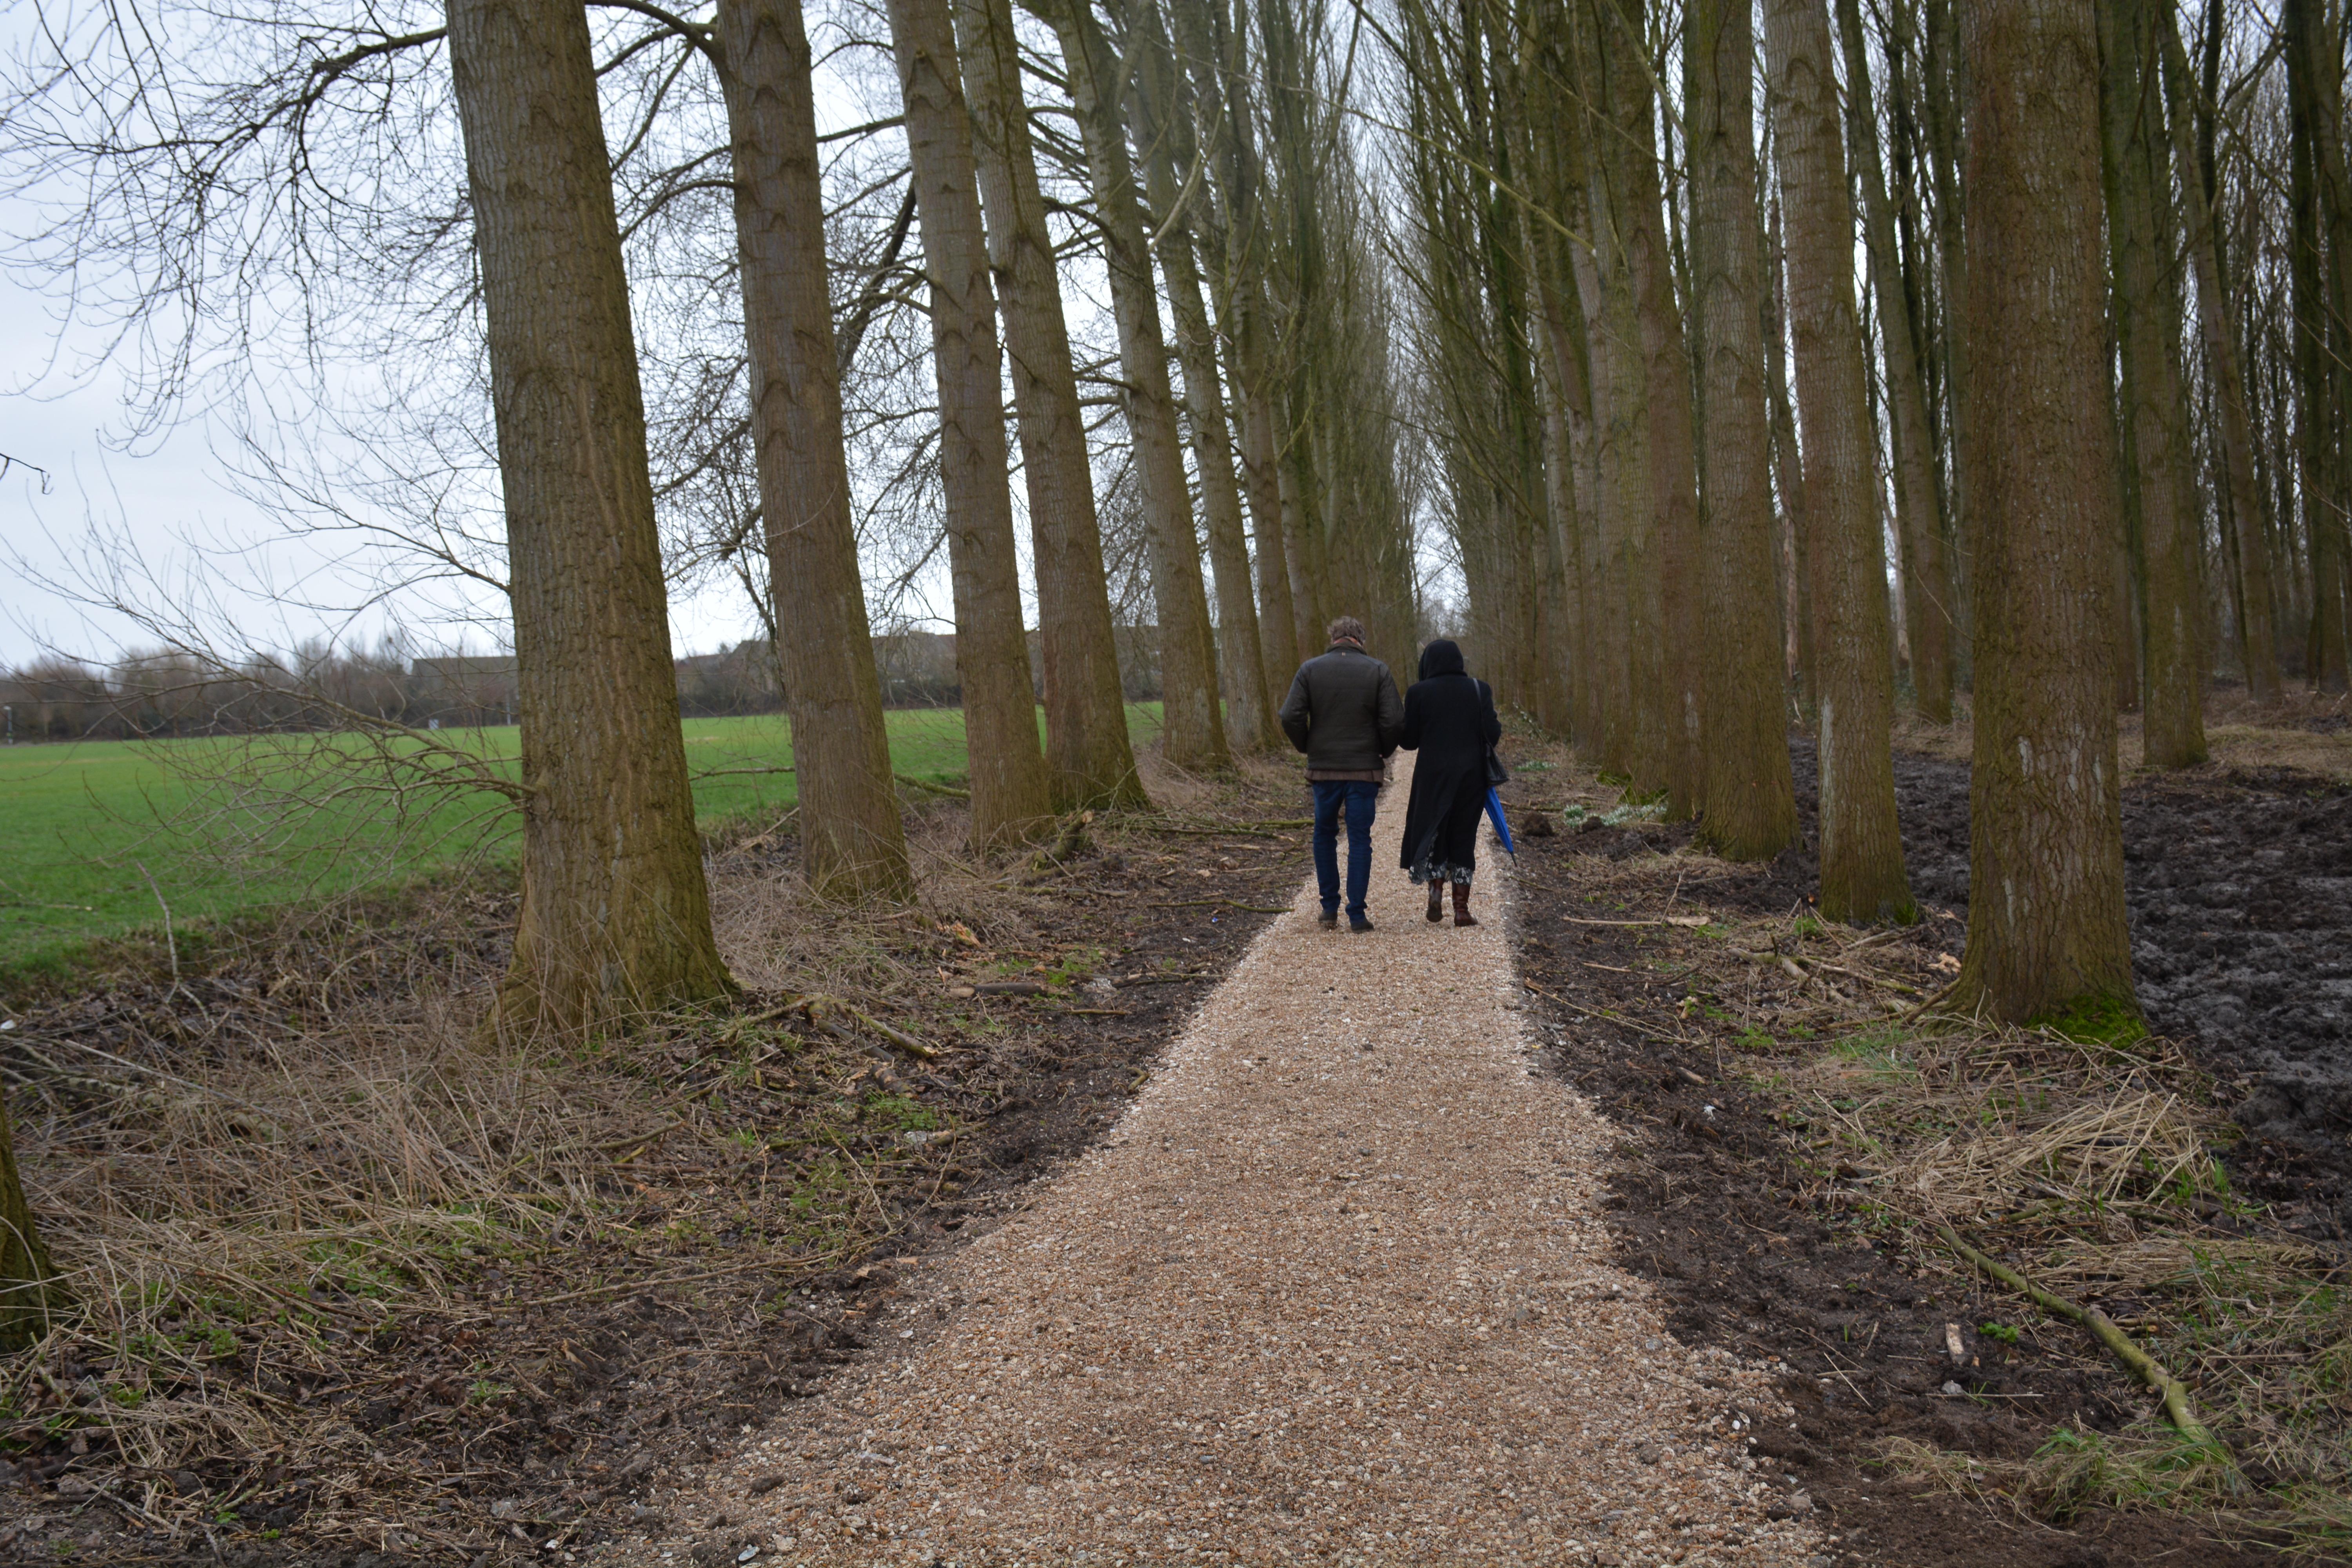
[
  {"x": 2305, "y": 730},
  {"x": 2095, "y": 1168},
  {"x": 275, "y": 1187},
  {"x": 273, "y": 1203}
]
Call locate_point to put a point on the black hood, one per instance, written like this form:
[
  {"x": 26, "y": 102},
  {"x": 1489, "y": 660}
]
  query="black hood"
[{"x": 1441, "y": 658}]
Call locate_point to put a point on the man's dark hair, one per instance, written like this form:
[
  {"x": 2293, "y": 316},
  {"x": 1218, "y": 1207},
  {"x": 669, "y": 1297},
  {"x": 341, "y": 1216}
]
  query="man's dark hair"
[{"x": 1347, "y": 628}]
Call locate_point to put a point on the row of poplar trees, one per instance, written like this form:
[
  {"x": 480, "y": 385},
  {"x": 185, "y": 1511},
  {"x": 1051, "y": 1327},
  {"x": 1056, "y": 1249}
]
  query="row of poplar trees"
[
  {"x": 1245, "y": 275},
  {"x": 1233, "y": 247},
  {"x": 1950, "y": 309}
]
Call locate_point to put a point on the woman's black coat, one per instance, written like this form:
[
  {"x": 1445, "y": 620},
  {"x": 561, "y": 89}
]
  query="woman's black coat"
[{"x": 1449, "y": 719}]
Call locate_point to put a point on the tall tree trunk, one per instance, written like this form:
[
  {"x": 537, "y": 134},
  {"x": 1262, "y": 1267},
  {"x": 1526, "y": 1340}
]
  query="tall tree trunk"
[
  {"x": 1789, "y": 475},
  {"x": 1751, "y": 811},
  {"x": 1166, "y": 134},
  {"x": 2258, "y": 598},
  {"x": 1623, "y": 463},
  {"x": 1279, "y": 648},
  {"x": 1569, "y": 427},
  {"x": 1628, "y": 234},
  {"x": 2148, "y": 322},
  {"x": 1862, "y": 877},
  {"x": 852, "y": 841},
  {"x": 1088, "y": 753},
  {"x": 1192, "y": 725},
  {"x": 30, "y": 1290},
  {"x": 1009, "y": 790},
  {"x": 2322, "y": 232},
  {"x": 1918, "y": 505},
  {"x": 1943, "y": 68},
  {"x": 1569, "y": 275},
  {"x": 615, "y": 914},
  {"x": 1673, "y": 526},
  {"x": 1294, "y": 476},
  {"x": 2047, "y": 939},
  {"x": 1216, "y": 55}
]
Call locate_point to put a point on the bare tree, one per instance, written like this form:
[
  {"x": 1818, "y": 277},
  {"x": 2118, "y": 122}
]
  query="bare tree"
[
  {"x": 615, "y": 914},
  {"x": 2047, "y": 938},
  {"x": 1863, "y": 878},
  {"x": 852, "y": 841},
  {"x": 1009, "y": 792},
  {"x": 1751, "y": 804},
  {"x": 1194, "y": 723},
  {"x": 1927, "y": 595},
  {"x": 1173, "y": 184},
  {"x": 2160, "y": 465},
  {"x": 1092, "y": 760}
]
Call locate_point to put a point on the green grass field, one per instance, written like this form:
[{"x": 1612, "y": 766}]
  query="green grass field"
[{"x": 95, "y": 838}]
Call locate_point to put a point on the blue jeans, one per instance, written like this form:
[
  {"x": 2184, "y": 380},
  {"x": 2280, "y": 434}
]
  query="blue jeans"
[{"x": 1359, "y": 797}]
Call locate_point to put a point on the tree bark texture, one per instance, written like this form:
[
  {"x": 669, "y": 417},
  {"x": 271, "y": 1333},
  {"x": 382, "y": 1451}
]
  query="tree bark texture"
[
  {"x": 1192, "y": 727},
  {"x": 1010, "y": 797},
  {"x": 2160, "y": 461},
  {"x": 615, "y": 916},
  {"x": 1090, "y": 758},
  {"x": 1862, "y": 877},
  {"x": 1279, "y": 648},
  {"x": 2257, "y": 617},
  {"x": 853, "y": 843},
  {"x": 30, "y": 1290},
  {"x": 1176, "y": 204},
  {"x": 1622, "y": 479},
  {"x": 2047, "y": 940},
  {"x": 1215, "y": 57},
  {"x": 1788, "y": 475},
  {"x": 1927, "y": 598},
  {"x": 1677, "y": 764},
  {"x": 1631, "y": 510},
  {"x": 1750, "y": 801},
  {"x": 2322, "y": 234},
  {"x": 1943, "y": 68}
]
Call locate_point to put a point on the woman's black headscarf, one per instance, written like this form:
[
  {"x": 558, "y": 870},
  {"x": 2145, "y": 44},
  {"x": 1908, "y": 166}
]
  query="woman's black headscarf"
[{"x": 1441, "y": 658}]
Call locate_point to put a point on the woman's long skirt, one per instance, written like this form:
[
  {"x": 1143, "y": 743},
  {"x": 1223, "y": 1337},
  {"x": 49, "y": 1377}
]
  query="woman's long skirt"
[{"x": 1453, "y": 854}]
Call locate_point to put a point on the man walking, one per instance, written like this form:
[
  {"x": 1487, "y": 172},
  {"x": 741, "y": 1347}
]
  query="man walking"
[{"x": 1344, "y": 713}]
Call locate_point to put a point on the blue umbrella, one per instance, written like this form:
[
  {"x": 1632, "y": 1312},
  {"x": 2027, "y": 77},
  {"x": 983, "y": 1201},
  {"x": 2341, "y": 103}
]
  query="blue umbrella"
[{"x": 1502, "y": 828}]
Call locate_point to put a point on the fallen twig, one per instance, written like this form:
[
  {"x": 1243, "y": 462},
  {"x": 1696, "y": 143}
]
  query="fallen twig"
[
  {"x": 911, "y": 782},
  {"x": 1607, "y": 1017},
  {"x": 2169, "y": 1389},
  {"x": 898, "y": 1038},
  {"x": 1687, "y": 922},
  {"x": 1253, "y": 908}
]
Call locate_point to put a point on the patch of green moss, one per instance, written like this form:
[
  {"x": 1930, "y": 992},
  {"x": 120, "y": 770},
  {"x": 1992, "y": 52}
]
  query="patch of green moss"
[{"x": 2095, "y": 1019}]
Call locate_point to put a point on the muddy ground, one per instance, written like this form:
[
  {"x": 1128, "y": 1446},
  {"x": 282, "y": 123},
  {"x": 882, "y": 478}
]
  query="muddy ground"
[
  {"x": 525, "y": 1410},
  {"x": 2238, "y": 912},
  {"x": 2237, "y": 885}
]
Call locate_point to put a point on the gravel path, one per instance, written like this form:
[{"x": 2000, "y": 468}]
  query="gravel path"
[{"x": 1333, "y": 1290}]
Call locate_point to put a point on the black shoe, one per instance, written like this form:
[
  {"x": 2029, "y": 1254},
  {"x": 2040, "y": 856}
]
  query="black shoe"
[
  {"x": 1359, "y": 922},
  {"x": 1436, "y": 899},
  {"x": 1329, "y": 919}
]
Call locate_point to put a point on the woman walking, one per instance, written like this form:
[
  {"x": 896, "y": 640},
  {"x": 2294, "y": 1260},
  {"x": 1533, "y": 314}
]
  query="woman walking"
[{"x": 1449, "y": 719}]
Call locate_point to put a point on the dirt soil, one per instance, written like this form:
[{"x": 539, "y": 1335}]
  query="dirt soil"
[
  {"x": 2239, "y": 917},
  {"x": 2240, "y": 882},
  {"x": 1335, "y": 1291},
  {"x": 523, "y": 1416}
]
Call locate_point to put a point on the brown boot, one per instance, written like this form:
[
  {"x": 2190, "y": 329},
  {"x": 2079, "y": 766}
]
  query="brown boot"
[
  {"x": 1462, "y": 915},
  {"x": 1436, "y": 899}
]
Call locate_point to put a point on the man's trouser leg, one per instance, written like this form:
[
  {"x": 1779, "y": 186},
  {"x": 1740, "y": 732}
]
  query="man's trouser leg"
[
  {"x": 1362, "y": 796},
  {"x": 1330, "y": 795}
]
